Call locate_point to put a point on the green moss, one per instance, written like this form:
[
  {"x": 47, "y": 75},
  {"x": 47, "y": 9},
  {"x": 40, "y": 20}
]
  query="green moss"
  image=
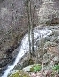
[
  {"x": 35, "y": 68},
  {"x": 56, "y": 68},
  {"x": 15, "y": 75},
  {"x": 19, "y": 74}
]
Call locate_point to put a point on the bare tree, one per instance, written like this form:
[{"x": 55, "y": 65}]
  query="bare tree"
[
  {"x": 31, "y": 24},
  {"x": 30, "y": 16},
  {"x": 27, "y": 8}
]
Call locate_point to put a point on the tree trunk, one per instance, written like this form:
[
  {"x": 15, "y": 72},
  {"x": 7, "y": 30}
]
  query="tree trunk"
[
  {"x": 32, "y": 28},
  {"x": 29, "y": 29}
]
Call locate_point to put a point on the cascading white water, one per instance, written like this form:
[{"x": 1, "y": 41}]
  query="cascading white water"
[{"x": 24, "y": 47}]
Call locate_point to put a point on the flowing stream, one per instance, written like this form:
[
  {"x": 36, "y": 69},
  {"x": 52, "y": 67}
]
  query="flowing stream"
[{"x": 24, "y": 46}]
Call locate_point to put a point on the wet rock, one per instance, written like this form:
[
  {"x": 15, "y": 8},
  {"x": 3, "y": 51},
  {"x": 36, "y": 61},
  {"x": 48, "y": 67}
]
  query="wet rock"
[
  {"x": 47, "y": 38},
  {"x": 27, "y": 68},
  {"x": 56, "y": 59},
  {"x": 5, "y": 61},
  {"x": 53, "y": 38},
  {"x": 2, "y": 69},
  {"x": 57, "y": 40},
  {"x": 56, "y": 32},
  {"x": 46, "y": 58},
  {"x": 15, "y": 53},
  {"x": 28, "y": 62},
  {"x": 55, "y": 21},
  {"x": 49, "y": 43}
]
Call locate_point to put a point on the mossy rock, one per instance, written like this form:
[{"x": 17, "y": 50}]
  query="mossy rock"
[
  {"x": 56, "y": 68},
  {"x": 19, "y": 74},
  {"x": 48, "y": 23},
  {"x": 15, "y": 75},
  {"x": 35, "y": 68},
  {"x": 30, "y": 61}
]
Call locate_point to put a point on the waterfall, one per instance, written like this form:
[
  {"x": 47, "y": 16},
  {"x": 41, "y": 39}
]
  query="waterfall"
[{"x": 24, "y": 47}]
